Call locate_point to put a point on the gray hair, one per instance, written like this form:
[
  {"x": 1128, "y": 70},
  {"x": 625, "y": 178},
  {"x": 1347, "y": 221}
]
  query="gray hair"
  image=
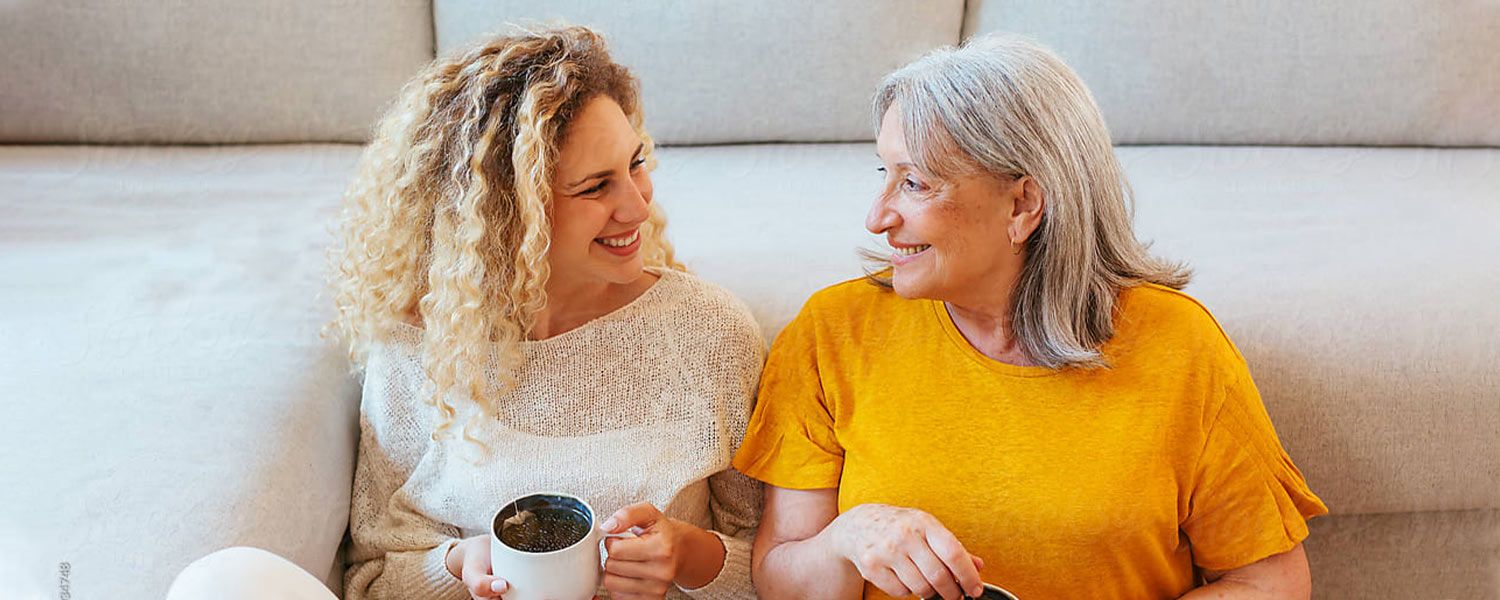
[{"x": 1008, "y": 107}]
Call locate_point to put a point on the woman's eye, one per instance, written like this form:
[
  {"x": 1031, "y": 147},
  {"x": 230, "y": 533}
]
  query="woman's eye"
[
  {"x": 594, "y": 189},
  {"x": 636, "y": 164},
  {"x": 907, "y": 184}
]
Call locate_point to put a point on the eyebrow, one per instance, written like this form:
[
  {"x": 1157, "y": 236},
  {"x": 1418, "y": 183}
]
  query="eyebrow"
[
  {"x": 638, "y": 150},
  {"x": 899, "y": 164}
]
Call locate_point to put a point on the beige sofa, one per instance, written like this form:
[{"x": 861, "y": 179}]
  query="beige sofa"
[{"x": 169, "y": 171}]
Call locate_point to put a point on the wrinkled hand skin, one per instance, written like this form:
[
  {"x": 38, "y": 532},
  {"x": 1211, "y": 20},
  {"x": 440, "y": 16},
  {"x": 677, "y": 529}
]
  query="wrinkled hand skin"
[{"x": 906, "y": 552}]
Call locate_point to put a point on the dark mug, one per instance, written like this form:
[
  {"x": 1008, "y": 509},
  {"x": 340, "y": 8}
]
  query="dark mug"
[{"x": 991, "y": 592}]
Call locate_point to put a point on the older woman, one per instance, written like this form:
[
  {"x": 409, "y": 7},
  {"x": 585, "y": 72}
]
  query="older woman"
[
  {"x": 504, "y": 275},
  {"x": 1023, "y": 397}
]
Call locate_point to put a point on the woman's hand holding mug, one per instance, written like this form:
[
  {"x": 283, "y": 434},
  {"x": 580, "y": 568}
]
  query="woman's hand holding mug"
[
  {"x": 906, "y": 552},
  {"x": 469, "y": 561},
  {"x": 648, "y": 553},
  {"x": 662, "y": 553}
]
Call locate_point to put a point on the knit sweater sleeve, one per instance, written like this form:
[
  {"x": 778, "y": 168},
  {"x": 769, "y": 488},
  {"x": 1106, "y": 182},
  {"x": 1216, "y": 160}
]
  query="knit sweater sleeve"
[
  {"x": 735, "y": 503},
  {"x": 735, "y": 499},
  {"x": 394, "y": 552}
]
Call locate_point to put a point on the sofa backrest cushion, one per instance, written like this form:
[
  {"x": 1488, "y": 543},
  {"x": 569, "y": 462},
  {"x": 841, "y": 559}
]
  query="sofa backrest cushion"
[
  {"x": 725, "y": 71},
  {"x": 1381, "y": 72},
  {"x": 209, "y": 71}
]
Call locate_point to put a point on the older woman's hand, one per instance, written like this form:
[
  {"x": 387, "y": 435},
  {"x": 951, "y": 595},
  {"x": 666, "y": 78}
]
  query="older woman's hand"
[{"x": 905, "y": 552}]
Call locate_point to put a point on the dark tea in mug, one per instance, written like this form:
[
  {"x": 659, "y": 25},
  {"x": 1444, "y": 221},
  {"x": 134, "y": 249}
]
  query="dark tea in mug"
[{"x": 543, "y": 523}]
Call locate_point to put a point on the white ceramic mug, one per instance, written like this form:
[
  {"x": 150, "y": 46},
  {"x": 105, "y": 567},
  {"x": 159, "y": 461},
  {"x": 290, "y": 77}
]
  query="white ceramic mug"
[{"x": 570, "y": 573}]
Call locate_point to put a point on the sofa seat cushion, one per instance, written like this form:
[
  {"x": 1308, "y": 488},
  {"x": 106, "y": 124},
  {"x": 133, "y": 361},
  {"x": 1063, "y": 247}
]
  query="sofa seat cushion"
[
  {"x": 1441, "y": 554},
  {"x": 167, "y": 393}
]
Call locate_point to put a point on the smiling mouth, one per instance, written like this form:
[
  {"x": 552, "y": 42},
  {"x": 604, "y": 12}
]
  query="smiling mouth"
[
  {"x": 621, "y": 241},
  {"x": 910, "y": 250}
]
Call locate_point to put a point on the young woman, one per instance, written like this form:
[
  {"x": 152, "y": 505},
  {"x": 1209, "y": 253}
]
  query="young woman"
[{"x": 504, "y": 284}]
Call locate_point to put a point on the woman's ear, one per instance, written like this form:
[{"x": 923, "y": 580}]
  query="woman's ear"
[{"x": 1029, "y": 204}]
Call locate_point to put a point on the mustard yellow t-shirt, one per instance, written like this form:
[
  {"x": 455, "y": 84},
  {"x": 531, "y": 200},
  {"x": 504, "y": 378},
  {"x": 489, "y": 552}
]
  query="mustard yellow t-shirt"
[{"x": 1108, "y": 483}]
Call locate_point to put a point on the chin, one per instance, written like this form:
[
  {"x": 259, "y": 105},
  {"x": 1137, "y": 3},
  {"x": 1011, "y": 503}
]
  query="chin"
[
  {"x": 625, "y": 273},
  {"x": 911, "y": 286}
]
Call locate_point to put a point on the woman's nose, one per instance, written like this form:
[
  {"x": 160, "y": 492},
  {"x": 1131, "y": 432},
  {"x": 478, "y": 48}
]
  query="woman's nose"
[
  {"x": 635, "y": 204},
  {"x": 881, "y": 217}
]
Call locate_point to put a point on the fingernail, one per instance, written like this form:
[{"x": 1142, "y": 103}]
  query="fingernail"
[
  {"x": 609, "y": 524},
  {"x": 498, "y": 585}
]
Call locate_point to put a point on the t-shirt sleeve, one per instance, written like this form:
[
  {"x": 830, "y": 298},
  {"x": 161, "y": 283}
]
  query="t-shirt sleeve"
[
  {"x": 1248, "y": 501},
  {"x": 791, "y": 441}
]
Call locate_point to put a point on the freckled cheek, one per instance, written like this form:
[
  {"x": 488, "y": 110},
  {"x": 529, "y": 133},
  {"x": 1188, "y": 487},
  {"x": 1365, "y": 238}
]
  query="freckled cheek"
[
  {"x": 952, "y": 228},
  {"x": 976, "y": 230}
]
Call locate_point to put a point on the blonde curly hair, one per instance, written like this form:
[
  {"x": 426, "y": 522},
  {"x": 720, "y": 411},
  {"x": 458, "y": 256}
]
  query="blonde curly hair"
[{"x": 449, "y": 209}]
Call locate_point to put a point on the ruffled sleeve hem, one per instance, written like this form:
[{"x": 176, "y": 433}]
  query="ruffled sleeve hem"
[
  {"x": 1287, "y": 497},
  {"x": 1250, "y": 501}
]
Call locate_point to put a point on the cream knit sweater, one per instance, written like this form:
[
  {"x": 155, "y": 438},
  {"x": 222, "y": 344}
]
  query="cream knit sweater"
[{"x": 647, "y": 403}]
